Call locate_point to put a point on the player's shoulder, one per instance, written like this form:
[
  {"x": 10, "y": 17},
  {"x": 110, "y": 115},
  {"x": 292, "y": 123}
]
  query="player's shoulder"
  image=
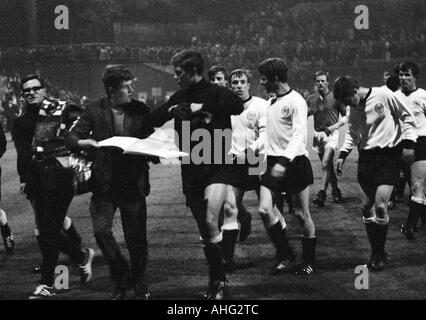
[
  {"x": 420, "y": 92},
  {"x": 259, "y": 105},
  {"x": 399, "y": 93},
  {"x": 258, "y": 101},
  {"x": 382, "y": 92},
  {"x": 296, "y": 97},
  {"x": 220, "y": 91}
]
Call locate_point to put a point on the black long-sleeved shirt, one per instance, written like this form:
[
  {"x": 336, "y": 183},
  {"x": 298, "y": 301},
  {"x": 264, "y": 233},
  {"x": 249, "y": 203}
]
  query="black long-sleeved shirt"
[{"x": 217, "y": 102}]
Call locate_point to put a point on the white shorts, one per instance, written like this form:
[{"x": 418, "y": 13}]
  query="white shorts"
[{"x": 322, "y": 141}]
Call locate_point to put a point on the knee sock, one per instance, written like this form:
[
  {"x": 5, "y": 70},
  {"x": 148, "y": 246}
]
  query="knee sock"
[
  {"x": 228, "y": 244},
  {"x": 371, "y": 229},
  {"x": 279, "y": 238},
  {"x": 417, "y": 209},
  {"x": 214, "y": 257},
  {"x": 382, "y": 231},
  {"x": 308, "y": 246}
]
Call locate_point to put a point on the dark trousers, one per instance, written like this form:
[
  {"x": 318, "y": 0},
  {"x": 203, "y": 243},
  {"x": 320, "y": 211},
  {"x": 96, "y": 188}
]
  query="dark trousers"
[
  {"x": 52, "y": 193},
  {"x": 133, "y": 218}
]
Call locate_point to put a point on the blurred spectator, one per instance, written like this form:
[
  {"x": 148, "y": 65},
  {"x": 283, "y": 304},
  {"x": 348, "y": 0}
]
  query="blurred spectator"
[{"x": 11, "y": 112}]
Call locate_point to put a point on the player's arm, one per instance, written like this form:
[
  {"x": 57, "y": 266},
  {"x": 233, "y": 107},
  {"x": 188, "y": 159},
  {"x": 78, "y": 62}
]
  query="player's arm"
[
  {"x": 299, "y": 115},
  {"x": 409, "y": 134},
  {"x": 167, "y": 111},
  {"x": 299, "y": 124},
  {"x": 352, "y": 138},
  {"x": 311, "y": 106},
  {"x": 229, "y": 103},
  {"x": 259, "y": 144},
  {"x": 342, "y": 119},
  {"x": 78, "y": 135}
]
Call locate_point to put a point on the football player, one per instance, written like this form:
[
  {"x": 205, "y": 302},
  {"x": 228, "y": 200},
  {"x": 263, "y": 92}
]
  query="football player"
[
  {"x": 415, "y": 99},
  {"x": 288, "y": 167},
  {"x": 382, "y": 127},
  {"x": 326, "y": 136}
]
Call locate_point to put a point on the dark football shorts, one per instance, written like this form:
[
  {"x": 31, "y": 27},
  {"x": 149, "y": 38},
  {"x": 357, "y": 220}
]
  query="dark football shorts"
[
  {"x": 240, "y": 178},
  {"x": 378, "y": 167},
  {"x": 297, "y": 177},
  {"x": 196, "y": 178},
  {"x": 420, "y": 149}
]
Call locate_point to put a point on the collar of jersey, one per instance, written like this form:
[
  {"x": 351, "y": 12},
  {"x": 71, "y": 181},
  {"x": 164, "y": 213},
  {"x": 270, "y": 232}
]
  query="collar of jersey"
[
  {"x": 409, "y": 93},
  {"x": 247, "y": 100},
  {"x": 282, "y": 95},
  {"x": 366, "y": 97}
]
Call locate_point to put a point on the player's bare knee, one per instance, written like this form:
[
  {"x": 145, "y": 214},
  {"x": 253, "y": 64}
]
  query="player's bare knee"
[
  {"x": 417, "y": 189},
  {"x": 230, "y": 210},
  {"x": 381, "y": 209},
  {"x": 325, "y": 163},
  {"x": 303, "y": 214},
  {"x": 211, "y": 222},
  {"x": 266, "y": 215}
]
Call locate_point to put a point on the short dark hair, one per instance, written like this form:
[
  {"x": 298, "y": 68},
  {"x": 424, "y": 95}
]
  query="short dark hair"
[
  {"x": 32, "y": 76},
  {"x": 114, "y": 76},
  {"x": 189, "y": 60},
  {"x": 344, "y": 88},
  {"x": 396, "y": 69},
  {"x": 321, "y": 73},
  {"x": 393, "y": 82},
  {"x": 241, "y": 72},
  {"x": 274, "y": 67},
  {"x": 408, "y": 65},
  {"x": 214, "y": 70}
]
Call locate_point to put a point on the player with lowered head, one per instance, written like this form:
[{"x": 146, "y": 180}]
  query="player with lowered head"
[{"x": 382, "y": 128}]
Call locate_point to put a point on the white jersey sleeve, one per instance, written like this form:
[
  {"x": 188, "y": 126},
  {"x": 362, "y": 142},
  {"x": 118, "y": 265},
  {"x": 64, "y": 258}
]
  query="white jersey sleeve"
[
  {"x": 299, "y": 115},
  {"x": 403, "y": 112}
]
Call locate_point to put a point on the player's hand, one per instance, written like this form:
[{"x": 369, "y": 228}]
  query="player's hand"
[
  {"x": 278, "y": 171},
  {"x": 339, "y": 166},
  {"x": 408, "y": 156},
  {"x": 88, "y": 143},
  {"x": 182, "y": 111},
  {"x": 22, "y": 188},
  {"x": 327, "y": 131}
]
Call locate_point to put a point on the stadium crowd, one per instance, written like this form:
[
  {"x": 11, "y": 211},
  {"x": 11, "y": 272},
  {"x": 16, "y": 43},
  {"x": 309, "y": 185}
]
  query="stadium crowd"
[{"x": 307, "y": 40}]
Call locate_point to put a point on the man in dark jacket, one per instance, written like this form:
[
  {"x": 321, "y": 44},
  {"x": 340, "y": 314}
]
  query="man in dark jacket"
[
  {"x": 23, "y": 130},
  {"x": 201, "y": 109},
  {"x": 48, "y": 185},
  {"x": 118, "y": 180}
]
